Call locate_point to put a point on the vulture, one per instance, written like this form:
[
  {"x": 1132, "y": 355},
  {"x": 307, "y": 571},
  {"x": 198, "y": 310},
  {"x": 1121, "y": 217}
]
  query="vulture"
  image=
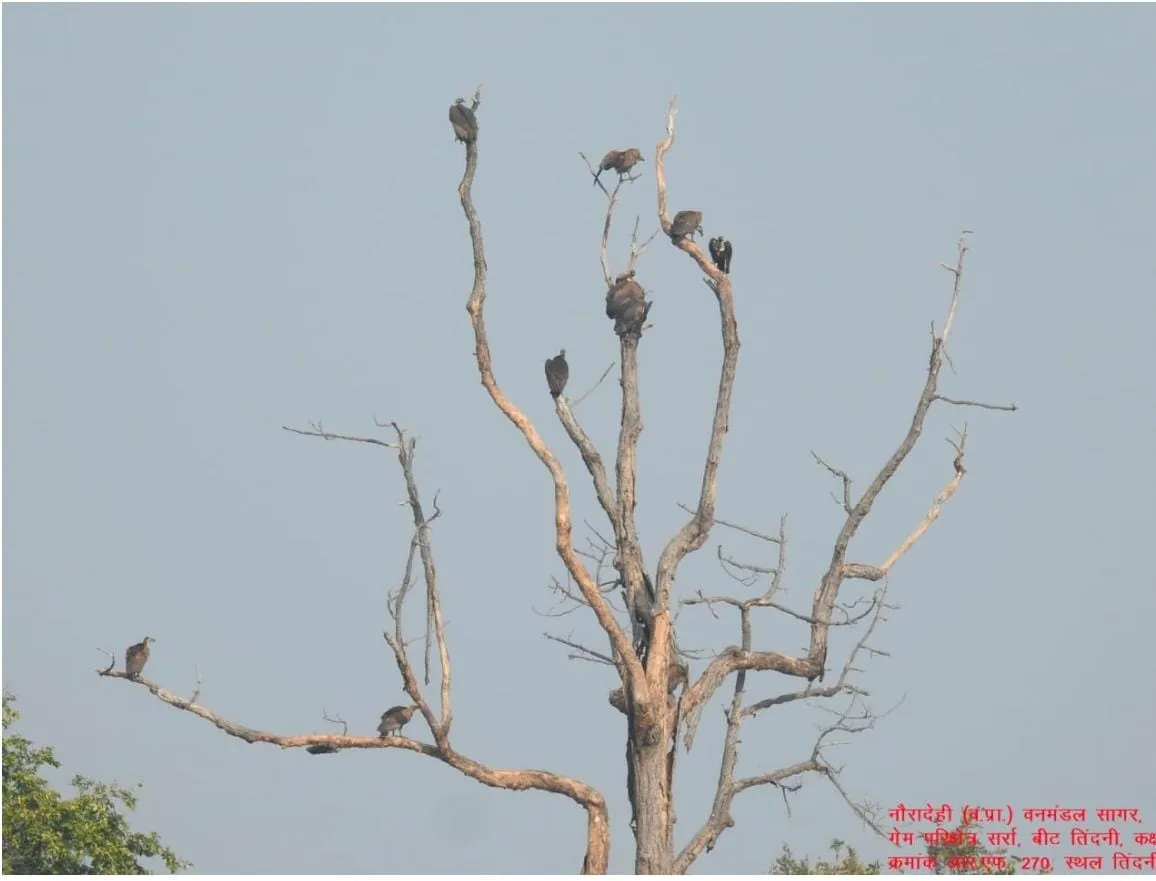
[
  {"x": 626, "y": 303},
  {"x": 393, "y": 719},
  {"x": 464, "y": 122},
  {"x": 619, "y": 160},
  {"x": 136, "y": 656},
  {"x": 608, "y": 162},
  {"x": 720, "y": 253},
  {"x": 557, "y": 373},
  {"x": 685, "y": 223}
]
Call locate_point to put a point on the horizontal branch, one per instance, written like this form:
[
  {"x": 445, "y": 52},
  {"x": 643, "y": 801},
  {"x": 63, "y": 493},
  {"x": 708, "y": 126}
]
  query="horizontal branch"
[
  {"x": 498, "y": 778},
  {"x": 1011, "y": 408},
  {"x": 732, "y": 660},
  {"x": 737, "y": 527}
]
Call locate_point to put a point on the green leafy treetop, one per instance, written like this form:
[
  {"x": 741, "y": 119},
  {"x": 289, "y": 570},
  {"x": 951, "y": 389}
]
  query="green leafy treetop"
[
  {"x": 845, "y": 862},
  {"x": 962, "y": 854},
  {"x": 47, "y": 834}
]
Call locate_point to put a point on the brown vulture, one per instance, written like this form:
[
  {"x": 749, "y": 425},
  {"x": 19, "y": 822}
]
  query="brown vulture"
[
  {"x": 464, "y": 122},
  {"x": 136, "y": 656},
  {"x": 608, "y": 162},
  {"x": 685, "y": 223},
  {"x": 393, "y": 719},
  {"x": 720, "y": 253},
  {"x": 619, "y": 160},
  {"x": 557, "y": 373},
  {"x": 626, "y": 303}
]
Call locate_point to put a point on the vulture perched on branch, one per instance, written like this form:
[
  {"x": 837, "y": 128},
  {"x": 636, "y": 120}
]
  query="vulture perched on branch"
[
  {"x": 464, "y": 122},
  {"x": 619, "y": 160},
  {"x": 393, "y": 719},
  {"x": 626, "y": 303},
  {"x": 136, "y": 656},
  {"x": 720, "y": 253},
  {"x": 685, "y": 223},
  {"x": 557, "y": 373}
]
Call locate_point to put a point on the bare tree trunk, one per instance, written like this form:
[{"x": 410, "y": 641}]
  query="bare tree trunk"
[{"x": 650, "y": 795}]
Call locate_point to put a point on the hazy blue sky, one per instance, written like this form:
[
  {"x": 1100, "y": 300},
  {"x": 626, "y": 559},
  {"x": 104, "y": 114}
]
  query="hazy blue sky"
[{"x": 223, "y": 218}]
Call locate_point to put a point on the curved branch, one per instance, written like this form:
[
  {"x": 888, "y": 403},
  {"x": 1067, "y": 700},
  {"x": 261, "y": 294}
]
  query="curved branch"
[
  {"x": 563, "y": 526},
  {"x": 732, "y": 660},
  {"x": 693, "y": 534},
  {"x": 597, "y": 825}
]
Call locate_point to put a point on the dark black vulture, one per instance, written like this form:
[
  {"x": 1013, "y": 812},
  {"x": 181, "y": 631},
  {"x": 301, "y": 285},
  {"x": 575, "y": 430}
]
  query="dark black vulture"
[
  {"x": 557, "y": 373},
  {"x": 620, "y": 160},
  {"x": 626, "y": 303},
  {"x": 720, "y": 253},
  {"x": 685, "y": 223},
  {"x": 393, "y": 719},
  {"x": 136, "y": 656},
  {"x": 464, "y": 122}
]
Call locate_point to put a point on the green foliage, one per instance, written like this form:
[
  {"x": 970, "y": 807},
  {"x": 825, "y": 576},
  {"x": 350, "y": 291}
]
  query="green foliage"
[
  {"x": 962, "y": 855},
  {"x": 845, "y": 862},
  {"x": 47, "y": 834}
]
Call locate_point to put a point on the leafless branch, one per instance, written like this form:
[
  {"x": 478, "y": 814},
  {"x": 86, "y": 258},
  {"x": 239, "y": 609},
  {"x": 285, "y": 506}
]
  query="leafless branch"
[
  {"x": 826, "y": 592},
  {"x": 612, "y": 197},
  {"x": 693, "y": 534},
  {"x": 395, "y": 603},
  {"x": 735, "y": 526},
  {"x": 636, "y": 249},
  {"x": 435, "y": 625},
  {"x": 598, "y": 841},
  {"x": 574, "y": 404},
  {"x": 1011, "y": 408},
  {"x": 336, "y": 720},
  {"x": 590, "y": 653},
  {"x": 695, "y": 697},
  {"x": 498, "y": 778},
  {"x": 405, "y": 451},
  {"x": 319, "y": 431},
  {"x": 720, "y": 818},
  {"x": 842, "y": 475},
  {"x": 562, "y": 518},
  {"x": 592, "y": 460}
]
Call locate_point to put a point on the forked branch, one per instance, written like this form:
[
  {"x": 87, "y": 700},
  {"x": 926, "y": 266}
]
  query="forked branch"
[
  {"x": 563, "y": 525},
  {"x": 421, "y": 543},
  {"x": 729, "y": 786},
  {"x": 735, "y": 659},
  {"x": 828, "y": 588}
]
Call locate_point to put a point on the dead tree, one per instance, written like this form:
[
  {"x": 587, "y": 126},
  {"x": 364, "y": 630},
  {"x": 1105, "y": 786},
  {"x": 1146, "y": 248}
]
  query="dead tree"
[{"x": 662, "y": 703}]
